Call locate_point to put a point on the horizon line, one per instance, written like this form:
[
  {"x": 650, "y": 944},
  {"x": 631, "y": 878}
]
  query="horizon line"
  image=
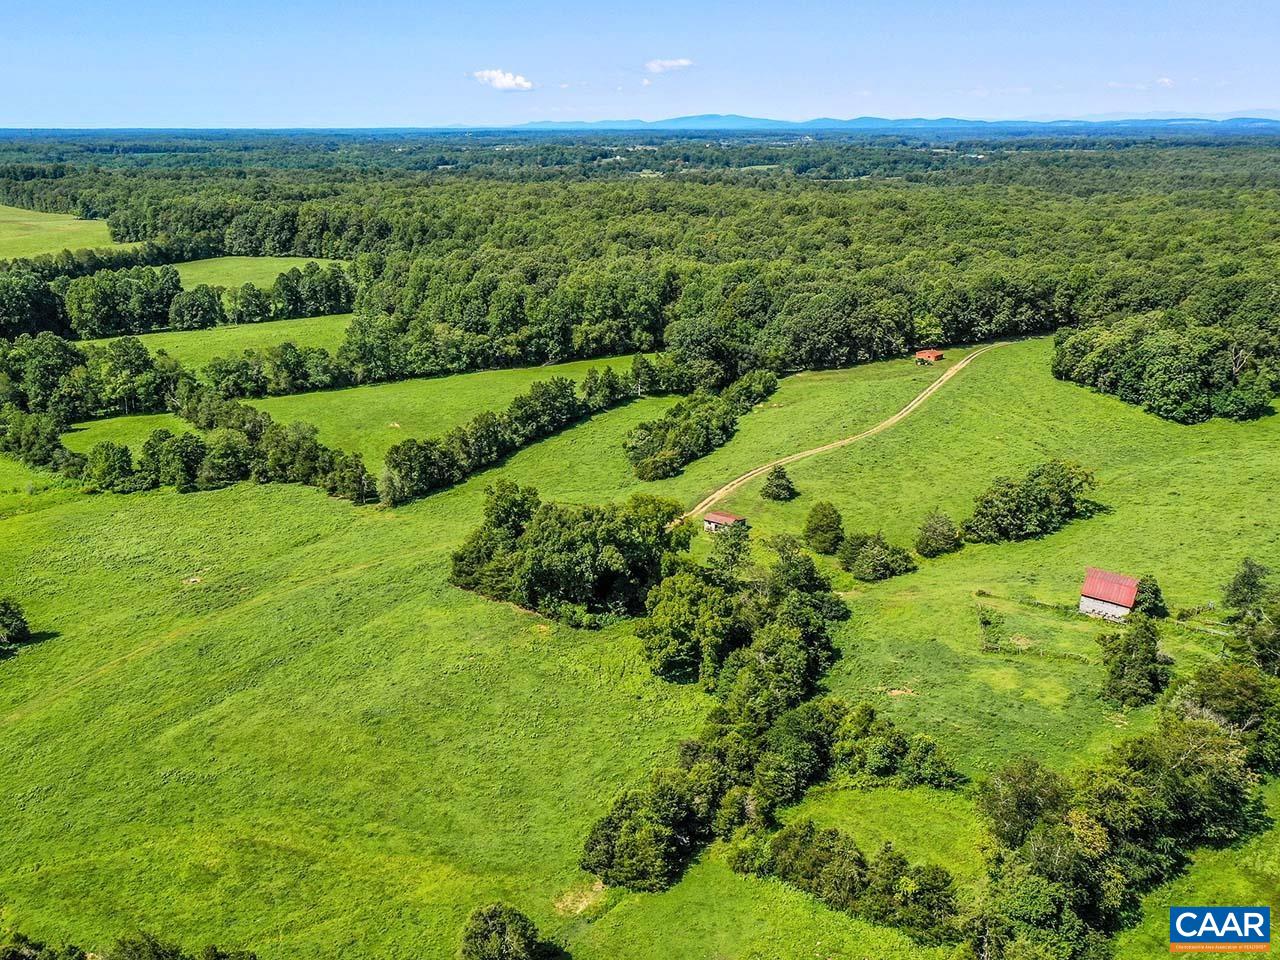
[{"x": 736, "y": 121}]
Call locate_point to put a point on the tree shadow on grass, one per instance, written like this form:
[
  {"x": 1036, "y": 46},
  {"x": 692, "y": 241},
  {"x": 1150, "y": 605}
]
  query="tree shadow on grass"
[{"x": 8, "y": 650}]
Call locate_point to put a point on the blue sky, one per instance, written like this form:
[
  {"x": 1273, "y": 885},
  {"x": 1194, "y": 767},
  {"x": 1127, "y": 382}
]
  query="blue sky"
[{"x": 403, "y": 63}]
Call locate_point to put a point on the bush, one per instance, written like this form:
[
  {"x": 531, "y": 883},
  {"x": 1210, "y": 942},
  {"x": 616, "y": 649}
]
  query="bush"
[
  {"x": 1136, "y": 669},
  {"x": 144, "y": 946},
  {"x": 872, "y": 558},
  {"x": 693, "y": 427},
  {"x": 647, "y": 836},
  {"x": 14, "y": 630},
  {"x": 938, "y": 535},
  {"x": 1046, "y": 499},
  {"x": 778, "y": 486},
  {"x": 829, "y": 865},
  {"x": 499, "y": 932},
  {"x": 824, "y": 528},
  {"x": 1149, "y": 600},
  {"x": 1247, "y": 586},
  {"x": 1245, "y": 699}
]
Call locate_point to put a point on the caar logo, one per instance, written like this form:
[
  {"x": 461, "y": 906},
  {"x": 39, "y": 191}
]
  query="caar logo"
[{"x": 1219, "y": 929}]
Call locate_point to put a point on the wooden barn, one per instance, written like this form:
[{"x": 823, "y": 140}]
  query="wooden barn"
[
  {"x": 1107, "y": 595},
  {"x": 717, "y": 520},
  {"x": 928, "y": 356}
]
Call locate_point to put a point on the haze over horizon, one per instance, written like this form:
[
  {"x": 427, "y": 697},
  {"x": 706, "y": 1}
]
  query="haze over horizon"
[{"x": 399, "y": 64}]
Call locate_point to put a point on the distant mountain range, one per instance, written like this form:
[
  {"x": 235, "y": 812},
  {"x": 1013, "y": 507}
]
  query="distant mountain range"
[{"x": 735, "y": 122}]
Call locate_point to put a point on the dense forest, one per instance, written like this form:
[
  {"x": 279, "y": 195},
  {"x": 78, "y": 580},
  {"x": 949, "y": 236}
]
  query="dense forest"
[{"x": 732, "y": 255}]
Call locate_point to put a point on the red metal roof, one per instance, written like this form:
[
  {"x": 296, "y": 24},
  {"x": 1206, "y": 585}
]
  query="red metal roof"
[
  {"x": 719, "y": 516},
  {"x": 1109, "y": 587}
]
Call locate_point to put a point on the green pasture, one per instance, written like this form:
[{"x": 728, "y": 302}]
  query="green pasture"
[
  {"x": 195, "y": 348},
  {"x": 237, "y": 271},
  {"x": 370, "y": 419},
  {"x": 261, "y": 717},
  {"x": 26, "y": 233}
]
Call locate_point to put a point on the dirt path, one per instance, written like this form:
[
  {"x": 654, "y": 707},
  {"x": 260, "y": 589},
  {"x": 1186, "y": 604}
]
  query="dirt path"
[{"x": 708, "y": 502}]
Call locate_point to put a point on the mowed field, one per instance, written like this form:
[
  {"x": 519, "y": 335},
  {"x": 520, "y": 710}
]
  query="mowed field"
[
  {"x": 26, "y": 233},
  {"x": 236, "y": 271},
  {"x": 195, "y": 348},
  {"x": 287, "y": 732}
]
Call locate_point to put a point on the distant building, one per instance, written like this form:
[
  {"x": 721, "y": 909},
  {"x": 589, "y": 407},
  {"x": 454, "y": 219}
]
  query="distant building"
[
  {"x": 928, "y": 356},
  {"x": 1106, "y": 594},
  {"x": 717, "y": 520}
]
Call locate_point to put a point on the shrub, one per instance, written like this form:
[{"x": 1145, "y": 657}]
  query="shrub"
[
  {"x": 1149, "y": 600},
  {"x": 14, "y": 630},
  {"x": 829, "y": 865},
  {"x": 694, "y": 426},
  {"x": 1136, "y": 669},
  {"x": 1247, "y": 586},
  {"x": 824, "y": 528},
  {"x": 647, "y": 836},
  {"x": 872, "y": 558},
  {"x": 1245, "y": 699},
  {"x": 778, "y": 486},
  {"x": 499, "y": 932},
  {"x": 938, "y": 535},
  {"x": 1046, "y": 499}
]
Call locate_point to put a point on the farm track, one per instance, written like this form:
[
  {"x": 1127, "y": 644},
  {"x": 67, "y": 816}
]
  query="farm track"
[{"x": 712, "y": 499}]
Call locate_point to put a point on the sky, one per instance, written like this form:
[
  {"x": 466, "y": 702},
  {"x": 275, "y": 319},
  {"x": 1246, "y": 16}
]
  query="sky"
[{"x": 388, "y": 63}]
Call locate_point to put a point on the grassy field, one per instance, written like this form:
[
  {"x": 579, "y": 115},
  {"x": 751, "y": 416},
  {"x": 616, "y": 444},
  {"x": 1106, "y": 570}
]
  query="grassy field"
[
  {"x": 25, "y": 233},
  {"x": 286, "y": 732},
  {"x": 236, "y": 271},
  {"x": 195, "y": 348},
  {"x": 131, "y": 431},
  {"x": 370, "y": 419}
]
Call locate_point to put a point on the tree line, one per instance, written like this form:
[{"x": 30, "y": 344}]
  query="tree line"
[
  {"x": 414, "y": 468},
  {"x": 694, "y": 426},
  {"x": 138, "y": 299}
]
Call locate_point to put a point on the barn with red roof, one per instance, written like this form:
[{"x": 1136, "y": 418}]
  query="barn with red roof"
[
  {"x": 1106, "y": 594},
  {"x": 717, "y": 520}
]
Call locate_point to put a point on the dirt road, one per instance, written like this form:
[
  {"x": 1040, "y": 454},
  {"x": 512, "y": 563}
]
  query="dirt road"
[{"x": 710, "y": 501}]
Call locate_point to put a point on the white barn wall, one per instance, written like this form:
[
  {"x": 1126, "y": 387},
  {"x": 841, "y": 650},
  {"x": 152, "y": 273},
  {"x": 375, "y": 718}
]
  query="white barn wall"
[{"x": 1101, "y": 608}]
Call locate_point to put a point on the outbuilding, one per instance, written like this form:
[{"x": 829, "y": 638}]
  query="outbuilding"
[
  {"x": 928, "y": 356},
  {"x": 1107, "y": 595},
  {"x": 717, "y": 520}
]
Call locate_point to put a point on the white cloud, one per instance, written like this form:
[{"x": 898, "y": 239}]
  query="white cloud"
[
  {"x": 663, "y": 66},
  {"x": 646, "y": 82},
  {"x": 1142, "y": 86},
  {"x": 503, "y": 80}
]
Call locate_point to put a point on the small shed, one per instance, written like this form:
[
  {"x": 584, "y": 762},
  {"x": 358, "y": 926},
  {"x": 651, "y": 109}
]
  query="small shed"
[
  {"x": 717, "y": 520},
  {"x": 928, "y": 356},
  {"x": 1107, "y": 595}
]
